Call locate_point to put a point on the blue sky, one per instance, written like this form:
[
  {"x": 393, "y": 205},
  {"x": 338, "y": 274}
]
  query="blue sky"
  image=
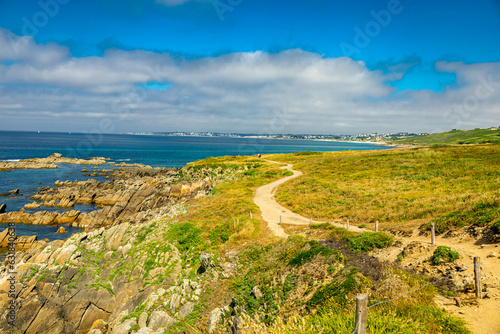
[{"x": 230, "y": 65}]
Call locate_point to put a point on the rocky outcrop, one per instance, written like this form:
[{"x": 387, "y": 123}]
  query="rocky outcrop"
[
  {"x": 49, "y": 162},
  {"x": 39, "y": 218},
  {"x": 33, "y": 205},
  {"x": 134, "y": 195},
  {"x": 20, "y": 243},
  {"x": 89, "y": 280},
  {"x": 12, "y": 192}
]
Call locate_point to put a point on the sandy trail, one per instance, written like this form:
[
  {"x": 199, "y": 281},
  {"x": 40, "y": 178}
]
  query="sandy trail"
[
  {"x": 272, "y": 210},
  {"x": 482, "y": 318}
]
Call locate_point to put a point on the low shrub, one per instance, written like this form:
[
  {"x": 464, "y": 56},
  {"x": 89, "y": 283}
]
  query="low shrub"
[
  {"x": 444, "y": 253},
  {"x": 311, "y": 253},
  {"x": 367, "y": 241},
  {"x": 186, "y": 234},
  {"x": 496, "y": 227}
]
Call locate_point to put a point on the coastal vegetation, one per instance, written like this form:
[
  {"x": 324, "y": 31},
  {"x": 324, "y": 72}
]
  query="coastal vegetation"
[
  {"x": 304, "y": 284},
  {"x": 454, "y": 137},
  {"x": 454, "y": 186},
  {"x": 300, "y": 277}
]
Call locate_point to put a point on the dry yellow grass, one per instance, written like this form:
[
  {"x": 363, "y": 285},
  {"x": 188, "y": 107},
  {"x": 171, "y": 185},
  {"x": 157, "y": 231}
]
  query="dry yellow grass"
[{"x": 400, "y": 187}]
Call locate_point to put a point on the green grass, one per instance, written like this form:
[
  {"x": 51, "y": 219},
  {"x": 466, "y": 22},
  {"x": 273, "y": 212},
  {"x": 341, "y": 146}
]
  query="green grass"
[
  {"x": 455, "y": 137},
  {"x": 444, "y": 253},
  {"x": 336, "y": 292},
  {"x": 315, "y": 250},
  {"x": 224, "y": 217},
  {"x": 368, "y": 241},
  {"x": 402, "y": 188}
]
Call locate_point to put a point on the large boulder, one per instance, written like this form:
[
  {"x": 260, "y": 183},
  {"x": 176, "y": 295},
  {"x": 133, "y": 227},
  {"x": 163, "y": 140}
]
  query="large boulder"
[
  {"x": 124, "y": 327},
  {"x": 33, "y": 205},
  {"x": 214, "y": 319},
  {"x": 160, "y": 319},
  {"x": 186, "y": 309}
]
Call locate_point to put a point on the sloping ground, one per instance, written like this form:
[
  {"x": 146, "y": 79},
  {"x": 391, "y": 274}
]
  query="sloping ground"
[
  {"x": 415, "y": 253},
  {"x": 401, "y": 188},
  {"x": 313, "y": 189},
  {"x": 275, "y": 214},
  {"x": 455, "y": 137}
]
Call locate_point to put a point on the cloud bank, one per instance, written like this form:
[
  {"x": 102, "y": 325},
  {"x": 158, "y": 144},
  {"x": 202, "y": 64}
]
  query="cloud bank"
[{"x": 45, "y": 87}]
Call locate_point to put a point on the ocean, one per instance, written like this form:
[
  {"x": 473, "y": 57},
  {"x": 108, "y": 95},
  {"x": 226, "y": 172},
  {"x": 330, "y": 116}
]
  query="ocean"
[{"x": 154, "y": 150}]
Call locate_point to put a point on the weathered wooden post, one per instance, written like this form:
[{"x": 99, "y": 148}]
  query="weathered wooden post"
[
  {"x": 280, "y": 219},
  {"x": 433, "y": 234},
  {"x": 376, "y": 226},
  {"x": 347, "y": 224},
  {"x": 477, "y": 276},
  {"x": 361, "y": 308}
]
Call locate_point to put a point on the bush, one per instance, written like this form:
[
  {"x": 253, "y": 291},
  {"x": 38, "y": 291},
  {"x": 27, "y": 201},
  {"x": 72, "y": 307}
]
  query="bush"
[
  {"x": 310, "y": 254},
  {"x": 335, "y": 293},
  {"x": 186, "y": 234},
  {"x": 496, "y": 227},
  {"x": 444, "y": 253},
  {"x": 367, "y": 241}
]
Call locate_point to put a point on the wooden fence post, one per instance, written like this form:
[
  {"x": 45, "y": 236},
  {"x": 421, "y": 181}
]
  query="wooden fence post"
[
  {"x": 280, "y": 219},
  {"x": 477, "y": 276},
  {"x": 376, "y": 226},
  {"x": 347, "y": 224},
  {"x": 361, "y": 308},
  {"x": 433, "y": 234}
]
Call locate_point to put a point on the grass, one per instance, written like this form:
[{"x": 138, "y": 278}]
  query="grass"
[
  {"x": 402, "y": 188},
  {"x": 444, "y": 254},
  {"x": 483, "y": 213},
  {"x": 223, "y": 218},
  {"x": 300, "y": 276},
  {"x": 414, "y": 313},
  {"x": 368, "y": 241},
  {"x": 314, "y": 250},
  {"x": 455, "y": 137}
]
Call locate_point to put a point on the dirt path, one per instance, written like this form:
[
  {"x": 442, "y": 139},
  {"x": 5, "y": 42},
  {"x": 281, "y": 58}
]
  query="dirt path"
[
  {"x": 483, "y": 318},
  {"x": 272, "y": 211}
]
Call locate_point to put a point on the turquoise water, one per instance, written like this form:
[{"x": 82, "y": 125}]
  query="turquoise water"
[{"x": 154, "y": 150}]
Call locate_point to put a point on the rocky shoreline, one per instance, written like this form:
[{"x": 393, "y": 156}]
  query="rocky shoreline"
[
  {"x": 90, "y": 281},
  {"x": 132, "y": 195},
  {"x": 49, "y": 162},
  {"x": 135, "y": 194}
]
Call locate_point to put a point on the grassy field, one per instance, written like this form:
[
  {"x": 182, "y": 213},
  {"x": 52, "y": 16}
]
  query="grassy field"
[
  {"x": 402, "y": 188},
  {"x": 454, "y": 137},
  {"x": 299, "y": 278}
]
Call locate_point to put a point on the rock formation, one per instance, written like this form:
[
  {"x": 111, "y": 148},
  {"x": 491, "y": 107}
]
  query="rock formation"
[
  {"x": 64, "y": 287},
  {"x": 20, "y": 243},
  {"x": 48, "y": 163},
  {"x": 133, "y": 195},
  {"x": 12, "y": 192}
]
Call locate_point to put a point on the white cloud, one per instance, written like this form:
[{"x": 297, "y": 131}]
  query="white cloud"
[{"x": 291, "y": 91}]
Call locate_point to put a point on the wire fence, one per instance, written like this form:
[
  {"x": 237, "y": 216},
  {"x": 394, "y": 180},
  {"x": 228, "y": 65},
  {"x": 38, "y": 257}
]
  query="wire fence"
[{"x": 361, "y": 328}]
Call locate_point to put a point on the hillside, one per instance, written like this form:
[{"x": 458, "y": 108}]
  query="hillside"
[
  {"x": 212, "y": 262},
  {"x": 454, "y": 186},
  {"x": 454, "y": 137}
]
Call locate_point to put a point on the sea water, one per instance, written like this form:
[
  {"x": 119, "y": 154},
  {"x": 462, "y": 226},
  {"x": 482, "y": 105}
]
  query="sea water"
[{"x": 154, "y": 150}]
